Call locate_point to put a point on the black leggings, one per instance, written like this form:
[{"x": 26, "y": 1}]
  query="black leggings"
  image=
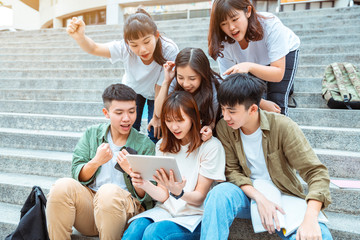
[{"x": 279, "y": 92}]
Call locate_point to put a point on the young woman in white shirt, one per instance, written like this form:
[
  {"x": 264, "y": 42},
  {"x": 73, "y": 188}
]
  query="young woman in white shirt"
[
  {"x": 200, "y": 164},
  {"x": 143, "y": 52},
  {"x": 244, "y": 41},
  {"x": 191, "y": 72}
]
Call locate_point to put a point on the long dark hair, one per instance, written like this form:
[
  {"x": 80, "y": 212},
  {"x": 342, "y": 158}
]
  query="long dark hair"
[
  {"x": 171, "y": 108},
  {"x": 198, "y": 61},
  {"x": 220, "y": 10},
  {"x": 139, "y": 25}
]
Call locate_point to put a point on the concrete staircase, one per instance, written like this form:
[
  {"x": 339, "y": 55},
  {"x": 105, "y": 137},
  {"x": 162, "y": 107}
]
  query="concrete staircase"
[{"x": 50, "y": 91}]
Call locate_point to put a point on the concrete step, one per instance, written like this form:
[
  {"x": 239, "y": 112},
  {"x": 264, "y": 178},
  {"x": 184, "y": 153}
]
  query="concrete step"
[
  {"x": 36, "y": 162},
  {"x": 48, "y": 122},
  {"x": 346, "y": 139},
  {"x": 321, "y": 17},
  {"x": 319, "y": 12},
  {"x": 326, "y": 59},
  {"x": 48, "y": 64},
  {"x": 113, "y": 72},
  {"x": 342, "y": 227},
  {"x": 10, "y": 217},
  {"x": 58, "y": 83},
  {"x": 38, "y": 140},
  {"x": 92, "y": 109},
  {"x": 56, "y": 61},
  {"x": 327, "y": 37},
  {"x": 68, "y": 64},
  {"x": 341, "y": 164},
  {"x": 197, "y": 30},
  {"x": 52, "y": 95},
  {"x": 306, "y": 48},
  {"x": 15, "y": 187},
  {"x": 50, "y": 57},
  {"x": 63, "y": 73},
  {"x": 342, "y": 118},
  {"x": 300, "y": 84},
  {"x": 308, "y": 84},
  {"x": 345, "y": 38},
  {"x": 309, "y": 100},
  {"x": 316, "y": 71}
]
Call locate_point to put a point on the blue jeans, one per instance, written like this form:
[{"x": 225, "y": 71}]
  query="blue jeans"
[
  {"x": 146, "y": 229},
  {"x": 140, "y": 103},
  {"x": 223, "y": 204}
]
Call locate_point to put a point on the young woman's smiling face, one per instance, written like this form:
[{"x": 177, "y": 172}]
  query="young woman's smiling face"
[
  {"x": 235, "y": 26},
  {"x": 144, "y": 47},
  {"x": 180, "y": 128},
  {"x": 188, "y": 79}
]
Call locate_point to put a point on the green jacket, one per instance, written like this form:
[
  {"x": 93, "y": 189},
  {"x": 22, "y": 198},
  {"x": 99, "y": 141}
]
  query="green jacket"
[
  {"x": 93, "y": 137},
  {"x": 285, "y": 150}
]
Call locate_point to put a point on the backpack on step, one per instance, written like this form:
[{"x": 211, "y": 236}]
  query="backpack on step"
[
  {"x": 341, "y": 86},
  {"x": 32, "y": 225}
]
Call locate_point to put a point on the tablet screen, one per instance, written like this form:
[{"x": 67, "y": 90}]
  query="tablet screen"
[{"x": 147, "y": 165}]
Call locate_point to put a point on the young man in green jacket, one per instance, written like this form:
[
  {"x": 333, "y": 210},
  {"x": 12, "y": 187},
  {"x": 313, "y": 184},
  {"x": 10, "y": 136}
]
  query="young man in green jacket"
[
  {"x": 99, "y": 199},
  {"x": 268, "y": 147}
]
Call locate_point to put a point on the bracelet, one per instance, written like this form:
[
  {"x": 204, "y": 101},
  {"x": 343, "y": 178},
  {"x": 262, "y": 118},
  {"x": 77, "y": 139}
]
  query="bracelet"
[{"x": 177, "y": 196}]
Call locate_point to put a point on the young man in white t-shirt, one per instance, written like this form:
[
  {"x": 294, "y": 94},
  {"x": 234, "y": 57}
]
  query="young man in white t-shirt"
[{"x": 266, "y": 146}]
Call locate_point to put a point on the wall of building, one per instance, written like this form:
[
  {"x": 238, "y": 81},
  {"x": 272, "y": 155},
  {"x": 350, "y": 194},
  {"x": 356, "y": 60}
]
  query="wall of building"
[
  {"x": 25, "y": 17},
  {"x": 58, "y": 9}
]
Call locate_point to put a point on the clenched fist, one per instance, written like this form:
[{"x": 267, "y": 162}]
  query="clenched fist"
[
  {"x": 103, "y": 154},
  {"x": 76, "y": 28}
]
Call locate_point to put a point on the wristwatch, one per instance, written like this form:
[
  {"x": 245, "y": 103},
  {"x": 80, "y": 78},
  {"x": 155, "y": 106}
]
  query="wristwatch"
[{"x": 177, "y": 196}]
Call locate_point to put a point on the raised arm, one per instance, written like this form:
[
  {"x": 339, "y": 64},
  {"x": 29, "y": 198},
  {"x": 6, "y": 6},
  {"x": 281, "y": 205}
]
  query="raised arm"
[
  {"x": 273, "y": 73},
  {"x": 169, "y": 76},
  {"x": 76, "y": 29}
]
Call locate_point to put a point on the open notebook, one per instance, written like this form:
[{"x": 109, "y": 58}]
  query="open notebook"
[{"x": 294, "y": 208}]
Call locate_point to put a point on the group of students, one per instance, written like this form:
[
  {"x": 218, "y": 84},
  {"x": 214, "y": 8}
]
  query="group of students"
[{"x": 186, "y": 100}]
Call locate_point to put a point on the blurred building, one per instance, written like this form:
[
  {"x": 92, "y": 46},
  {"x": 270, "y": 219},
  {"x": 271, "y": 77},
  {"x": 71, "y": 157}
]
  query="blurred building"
[{"x": 36, "y": 14}]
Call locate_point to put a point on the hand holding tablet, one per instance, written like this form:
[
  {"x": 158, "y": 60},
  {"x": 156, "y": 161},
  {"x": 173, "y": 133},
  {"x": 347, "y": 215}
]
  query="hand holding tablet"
[{"x": 148, "y": 165}]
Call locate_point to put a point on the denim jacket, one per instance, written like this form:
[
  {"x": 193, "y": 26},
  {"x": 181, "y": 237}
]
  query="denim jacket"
[
  {"x": 286, "y": 150},
  {"x": 93, "y": 137}
]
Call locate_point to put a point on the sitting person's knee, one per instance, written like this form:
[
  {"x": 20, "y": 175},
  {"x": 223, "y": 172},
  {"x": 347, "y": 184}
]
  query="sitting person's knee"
[
  {"x": 62, "y": 187},
  {"x": 110, "y": 195}
]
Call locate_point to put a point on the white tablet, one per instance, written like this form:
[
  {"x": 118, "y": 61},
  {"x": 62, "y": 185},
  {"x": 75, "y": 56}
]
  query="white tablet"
[{"x": 147, "y": 165}]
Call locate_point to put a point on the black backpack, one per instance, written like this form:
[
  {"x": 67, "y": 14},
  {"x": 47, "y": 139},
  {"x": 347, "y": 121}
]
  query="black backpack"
[{"x": 32, "y": 225}]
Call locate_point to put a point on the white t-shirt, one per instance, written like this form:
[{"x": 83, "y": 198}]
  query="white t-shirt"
[
  {"x": 252, "y": 145},
  {"x": 108, "y": 173},
  {"x": 140, "y": 77},
  {"x": 208, "y": 160},
  {"x": 277, "y": 42}
]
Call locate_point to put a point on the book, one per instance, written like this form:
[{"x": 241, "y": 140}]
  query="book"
[
  {"x": 158, "y": 214},
  {"x": 294, "y": 208},
  {"x": 346, "y": 183}
]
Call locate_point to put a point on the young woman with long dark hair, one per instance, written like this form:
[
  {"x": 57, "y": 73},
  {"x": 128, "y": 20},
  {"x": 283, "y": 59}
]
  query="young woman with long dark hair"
[
  {"x": 245, "y": 41},
  {"x": 200, "y": 164},
  {"x": 191, "y": 72}
]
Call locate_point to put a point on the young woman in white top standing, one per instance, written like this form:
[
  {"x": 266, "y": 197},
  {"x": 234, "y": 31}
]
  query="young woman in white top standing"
[
  {"x": 244, "y": 41},
  {"x": 143, "y": 52},
  {"x": 180, "y": 204}
]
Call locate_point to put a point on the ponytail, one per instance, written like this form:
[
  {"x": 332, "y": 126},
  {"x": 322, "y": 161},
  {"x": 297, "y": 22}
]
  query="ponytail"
[{"x": 139, "y": 25}]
